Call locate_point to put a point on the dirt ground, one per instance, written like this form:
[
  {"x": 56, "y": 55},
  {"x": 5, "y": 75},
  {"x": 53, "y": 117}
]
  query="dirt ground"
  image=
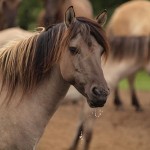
[{"x": 117, "y": 130}]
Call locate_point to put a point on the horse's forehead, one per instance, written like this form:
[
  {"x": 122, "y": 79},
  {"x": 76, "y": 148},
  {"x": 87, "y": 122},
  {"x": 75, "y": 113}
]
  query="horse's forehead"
[
  {"x": 90, "y": 40},
  {"x": 81, "y": 39}
]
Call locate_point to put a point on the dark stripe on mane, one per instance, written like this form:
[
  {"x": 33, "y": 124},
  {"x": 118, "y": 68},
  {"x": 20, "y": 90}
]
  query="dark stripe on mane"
[
  {"x": 132, "y": 47},
  {"x": 28, "y": 62},
  {"x": 47, "y": 50}
]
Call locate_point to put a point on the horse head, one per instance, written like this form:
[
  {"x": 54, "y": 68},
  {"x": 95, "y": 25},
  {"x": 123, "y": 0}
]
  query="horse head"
[{"x": 80, "y": 63}]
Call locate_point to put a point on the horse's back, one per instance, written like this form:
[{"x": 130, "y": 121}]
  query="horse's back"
[
  {"x": 131, "y": 19},
  {"x": 13, "y": 34}
]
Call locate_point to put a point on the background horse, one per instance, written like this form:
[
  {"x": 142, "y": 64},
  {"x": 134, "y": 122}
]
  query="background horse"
[
  {"x": 13, "y": 34},
  {"x": 131, "y": 35},
  {"x": 8, "y": 13},
  {"x": 129, "y": 39},
  {"x": 54, "y": 10},
  {"x": 34, "y": 78}
]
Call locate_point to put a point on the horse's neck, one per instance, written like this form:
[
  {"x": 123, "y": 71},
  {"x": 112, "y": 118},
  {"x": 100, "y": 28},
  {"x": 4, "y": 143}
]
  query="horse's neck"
[
  {"x": 13, "y": 34},
  {"x": 51, "y": 91},
  {"x": 32, "y": 115}
]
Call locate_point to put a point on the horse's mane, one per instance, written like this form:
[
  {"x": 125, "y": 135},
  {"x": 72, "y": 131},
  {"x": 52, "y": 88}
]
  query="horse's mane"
[
  {"x": 130, "y": 47},
  {"x": 29, "y": 61}
]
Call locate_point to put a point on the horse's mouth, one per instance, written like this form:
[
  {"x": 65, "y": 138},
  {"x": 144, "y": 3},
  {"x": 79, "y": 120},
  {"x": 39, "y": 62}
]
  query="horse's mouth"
[
  {"x": 94, "y": 106},
  {"x": 96, "y": 103}
]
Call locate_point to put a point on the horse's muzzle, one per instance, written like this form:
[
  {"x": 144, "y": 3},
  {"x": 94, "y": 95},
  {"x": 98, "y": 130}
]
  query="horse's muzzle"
[{"x": 98, "y": 97}]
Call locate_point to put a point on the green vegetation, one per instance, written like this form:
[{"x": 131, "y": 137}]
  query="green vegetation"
[
  {"x": 28, "y": 13},
  {"x": 142, "y": 82}
]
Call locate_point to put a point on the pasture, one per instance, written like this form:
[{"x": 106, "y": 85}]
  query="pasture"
[{"x": 118, "y": 130}]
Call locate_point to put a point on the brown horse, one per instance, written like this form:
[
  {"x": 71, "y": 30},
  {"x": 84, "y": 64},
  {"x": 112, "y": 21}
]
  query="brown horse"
[
  {"x": 36, "y": 73},
  {"x": 54, "y": 10},
  {"x": 8, "y": 13},
  {"x": 129, "y": 38}
]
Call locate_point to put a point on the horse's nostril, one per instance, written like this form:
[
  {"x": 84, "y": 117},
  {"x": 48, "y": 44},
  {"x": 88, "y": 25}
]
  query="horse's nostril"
[
  {"x": 96, "y": 91},
  {"x": 100, "y": 92}
]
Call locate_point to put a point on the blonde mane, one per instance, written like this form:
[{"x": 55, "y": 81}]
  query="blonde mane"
[{"x": 28, "y": 61}]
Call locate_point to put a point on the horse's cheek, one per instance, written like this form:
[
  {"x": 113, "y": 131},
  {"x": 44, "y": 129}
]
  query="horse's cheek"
[{"x": 67, "y": 71}]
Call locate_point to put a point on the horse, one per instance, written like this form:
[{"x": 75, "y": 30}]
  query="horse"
[
  {"x": 36, "y": 73},
  {"x": 54, "y": 10},
  {"x": 13, "y": 34},
  {"x": 8, "y": 13},
  {"x": 128, "y": 34},
  {"x": 128, "y": 31}
]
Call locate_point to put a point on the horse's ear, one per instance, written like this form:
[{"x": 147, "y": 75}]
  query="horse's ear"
[
  {"x": 102, "y": 17},
  {"x": 69, "y": 16}
]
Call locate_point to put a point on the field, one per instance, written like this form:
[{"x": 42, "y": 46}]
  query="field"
[{"x": 118, "y": 130}]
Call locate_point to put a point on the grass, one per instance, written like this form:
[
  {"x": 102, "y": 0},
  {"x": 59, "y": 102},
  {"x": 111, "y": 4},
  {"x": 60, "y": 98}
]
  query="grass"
[{"x": 142, "y": 82}]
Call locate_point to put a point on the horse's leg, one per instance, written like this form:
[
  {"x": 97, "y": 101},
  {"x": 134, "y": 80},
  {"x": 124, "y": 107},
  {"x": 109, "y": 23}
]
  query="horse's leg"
[
  {"x": 117, "y": 101},
  {"x": 85, "y": 127},
  {"x": 77, "y": 137},
  {"x": 134, "y": 98},
  {"x": 88, "y": 134}
]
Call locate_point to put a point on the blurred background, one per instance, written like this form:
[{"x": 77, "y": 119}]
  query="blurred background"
[{"x": 30, "y": 9}]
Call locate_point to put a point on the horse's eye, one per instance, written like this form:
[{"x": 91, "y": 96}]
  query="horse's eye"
[{"x": 73, "y": 50}]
